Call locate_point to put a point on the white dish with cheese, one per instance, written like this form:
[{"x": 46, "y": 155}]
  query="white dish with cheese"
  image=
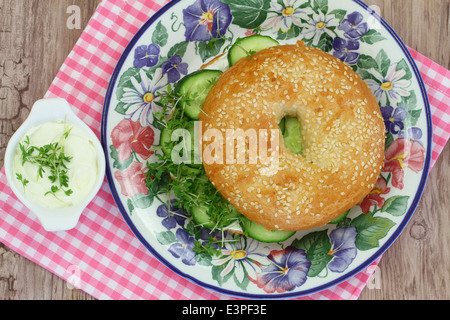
[{"x": 57, "y": 191}]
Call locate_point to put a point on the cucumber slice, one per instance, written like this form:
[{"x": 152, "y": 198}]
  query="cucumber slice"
[
  {"x": 340, "y": 218},
  {"x": 260, "y": 233},
  {"x": 189, "y": 170},
  {"x": 200, "y": 215},
  {"x": 293, "y": 135},
  {"x": 167, "y": 144},
  {"x": 245, "y": 47},
  {"x": 282, "y": 125},
  {"x": 193, "y": 89},
  {"x": 230, "y": 220}
]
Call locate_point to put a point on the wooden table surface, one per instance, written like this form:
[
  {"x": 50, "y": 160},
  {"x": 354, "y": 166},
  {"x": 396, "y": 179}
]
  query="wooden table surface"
[{"x": 34, "y": 41}]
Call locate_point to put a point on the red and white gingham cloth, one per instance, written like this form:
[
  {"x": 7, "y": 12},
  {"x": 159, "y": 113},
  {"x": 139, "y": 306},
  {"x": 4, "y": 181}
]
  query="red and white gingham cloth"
[{"x": 101, "y": 255}]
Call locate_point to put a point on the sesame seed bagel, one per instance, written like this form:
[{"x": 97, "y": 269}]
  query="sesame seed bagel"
[{"x": 343, "y": 137}]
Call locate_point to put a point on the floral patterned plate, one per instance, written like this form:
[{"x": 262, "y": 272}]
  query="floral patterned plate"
[{"x": 186, "y": 34}]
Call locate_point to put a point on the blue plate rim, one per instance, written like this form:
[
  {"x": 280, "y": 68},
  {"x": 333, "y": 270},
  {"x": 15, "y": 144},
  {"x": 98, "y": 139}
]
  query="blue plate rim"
[{"x": 328, "y": 285}]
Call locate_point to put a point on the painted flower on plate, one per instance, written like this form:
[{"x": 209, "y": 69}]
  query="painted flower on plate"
[
  {"x": 132, "y": 179},
  {"x": 392, "y": 87},
  {"x": 206, "y": 19},
  {"x": 212, "y": 238},
  {"x": 345, "y": 50},
  {"x": 288, "y": 269},
  {"x": 139, "y": 99},
  {"x": 174, "y": 68},
  {"x": 374, "y": 197},
  {"x": 249, "y": 32},
  {"x": 184, "y": 247},
  {"x": 393, "y": 118},
  {"x": 401, "y": 154},
  {"x": 146, "y": 56},
  {"x": 353, "y": 26},
  {"x": 413, "y": 133},
  {"x": 317, "y": 25},
  {"x": 242, "y": 258},
  {"x": 129, "y": 136},
  {"x": 285, "y": 14},
  {"x": 343, "y": 248},
  {"x": 172, "y": 216}
]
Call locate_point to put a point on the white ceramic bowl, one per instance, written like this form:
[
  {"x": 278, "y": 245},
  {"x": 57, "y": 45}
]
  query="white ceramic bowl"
[{"x": 43, "y": 111}]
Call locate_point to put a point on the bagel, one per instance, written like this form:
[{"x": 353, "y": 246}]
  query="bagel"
[{"x": 343, "y": 136}]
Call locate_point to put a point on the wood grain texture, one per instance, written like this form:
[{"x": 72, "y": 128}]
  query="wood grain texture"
[
  {"x": 34, "y": 41},
  {"x": 416, "y": 265}
]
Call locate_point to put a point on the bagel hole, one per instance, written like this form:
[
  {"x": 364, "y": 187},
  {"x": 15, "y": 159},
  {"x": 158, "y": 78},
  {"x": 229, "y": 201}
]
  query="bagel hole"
[{"x": 292, "y": 134}]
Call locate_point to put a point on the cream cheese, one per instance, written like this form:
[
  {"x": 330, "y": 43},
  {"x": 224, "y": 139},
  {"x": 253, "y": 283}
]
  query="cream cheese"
[{"x": 82, "y": 168}]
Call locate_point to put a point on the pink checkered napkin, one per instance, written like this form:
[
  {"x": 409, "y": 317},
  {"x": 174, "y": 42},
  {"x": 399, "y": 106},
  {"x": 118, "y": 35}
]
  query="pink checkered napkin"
[
  {"x": 437, "y": 83},
  {"x": 101, "y": 255}
]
